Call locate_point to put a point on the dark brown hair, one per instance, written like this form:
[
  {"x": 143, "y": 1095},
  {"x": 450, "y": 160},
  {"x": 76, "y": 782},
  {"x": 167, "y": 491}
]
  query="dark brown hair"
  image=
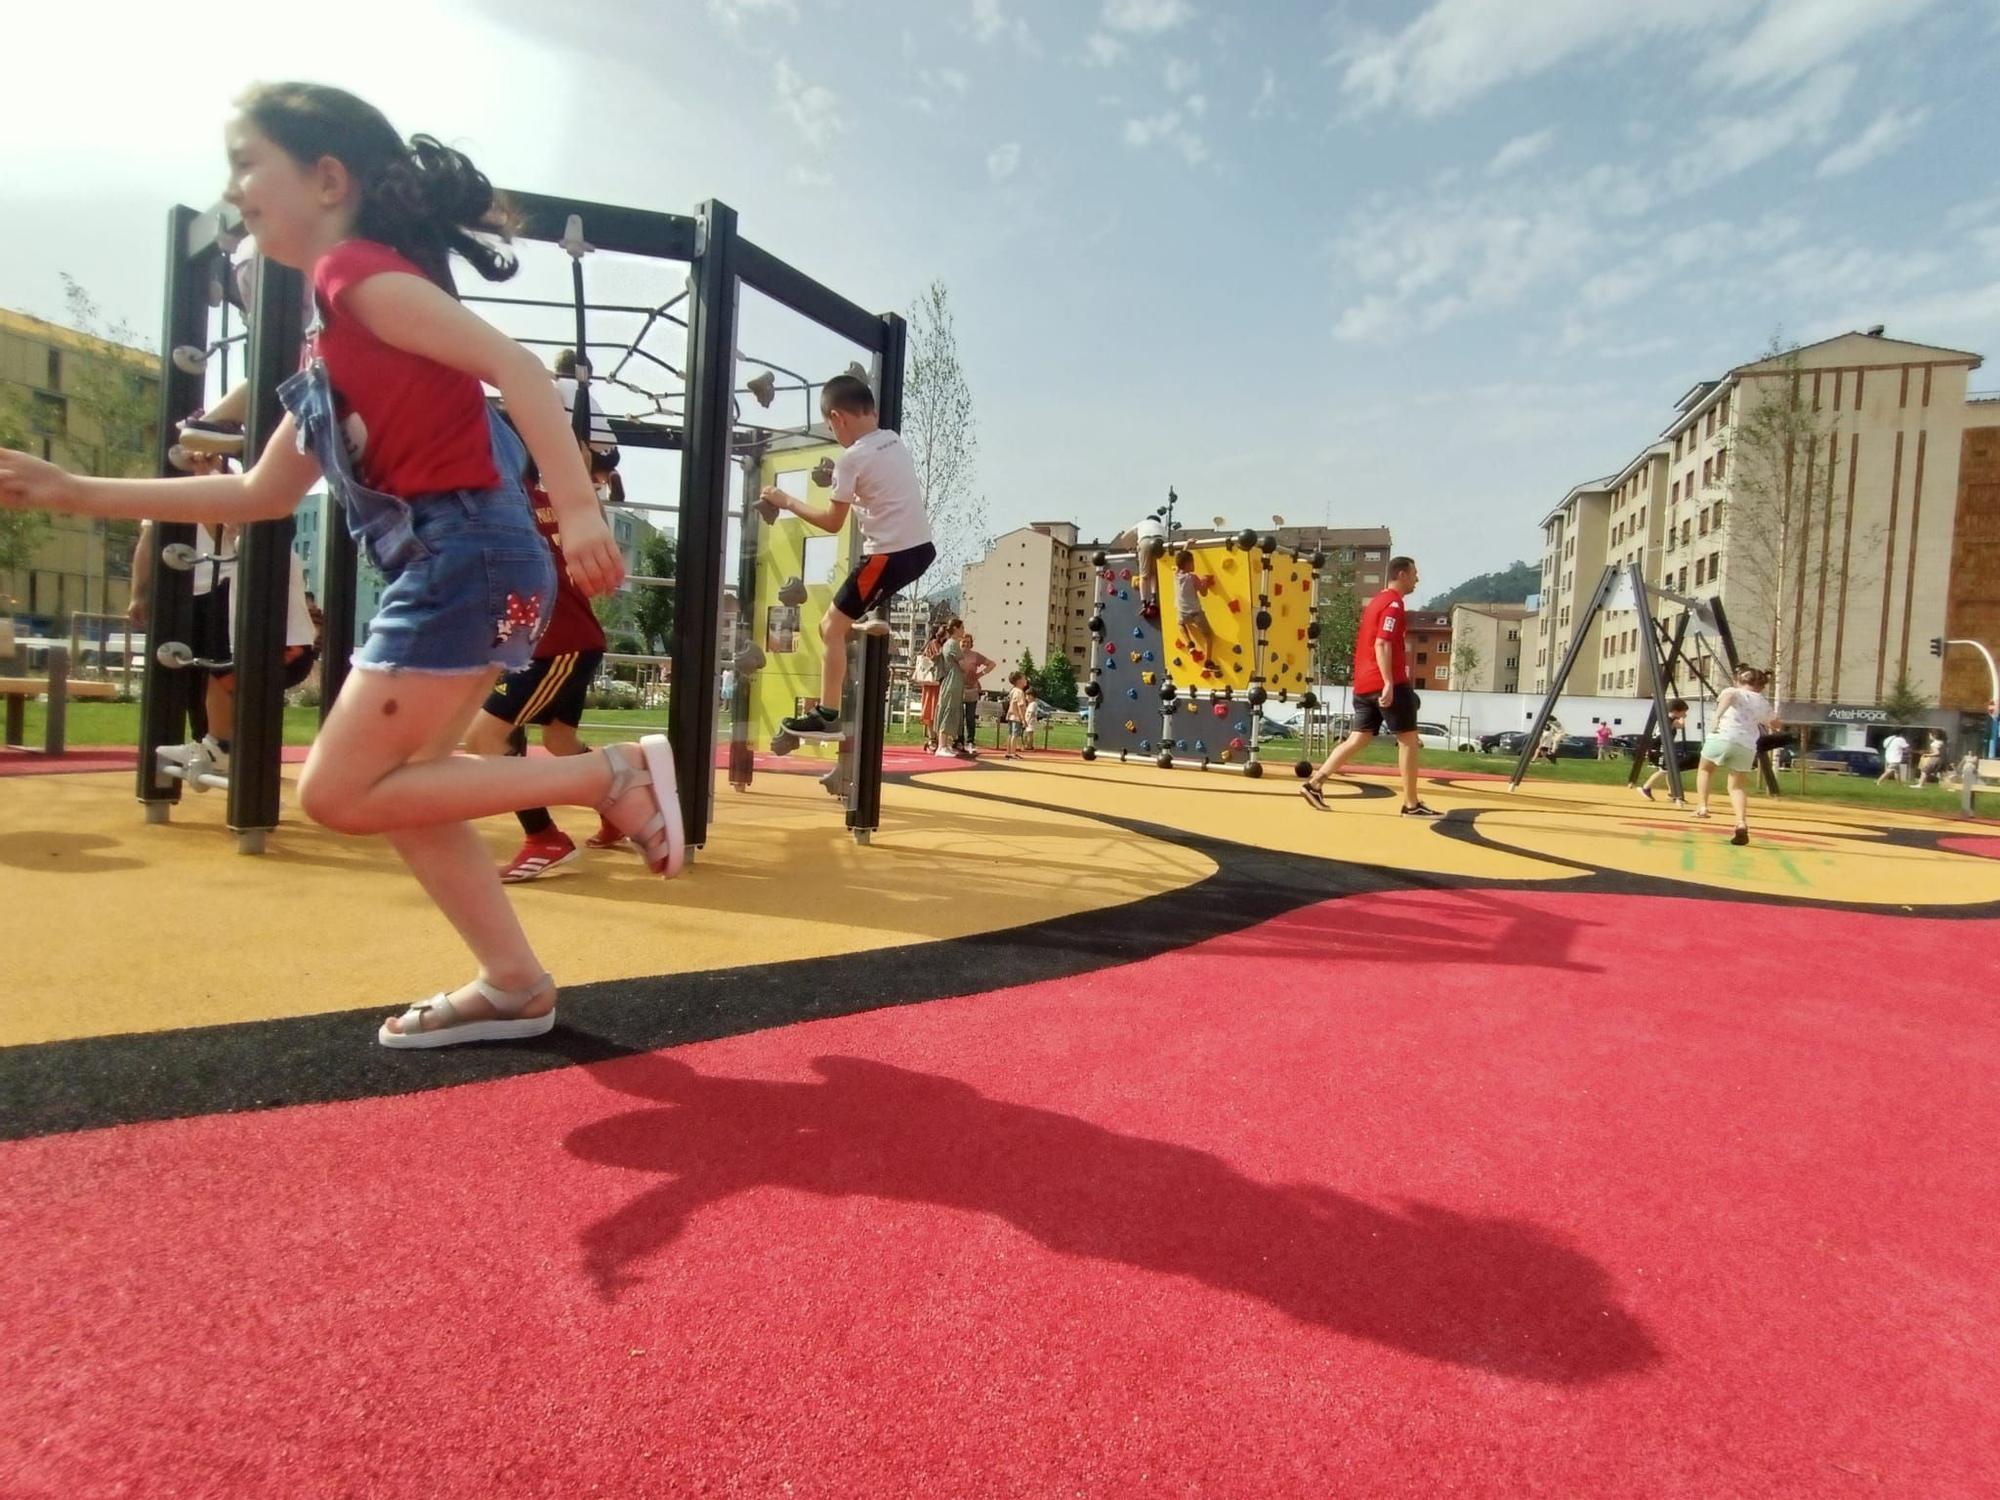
[
  {"x": 1399, "y": 565},
  {"x": 421, "y": 198},
  {"x": 1755, "y": 678},
  {"x": 847, "y": 393}
]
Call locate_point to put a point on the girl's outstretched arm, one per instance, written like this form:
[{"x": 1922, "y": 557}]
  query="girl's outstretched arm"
[
  {"x": 271, "y": 488},
  {"x": 414, "y": 315}
]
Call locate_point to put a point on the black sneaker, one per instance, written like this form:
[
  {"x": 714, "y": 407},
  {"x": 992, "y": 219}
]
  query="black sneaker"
[
  {"x": 1313, "y": 795},
  {"x": 813, "y": 721},
  {"x": 1740, "y": 837},
  {"x": 1421, "y": 810}
]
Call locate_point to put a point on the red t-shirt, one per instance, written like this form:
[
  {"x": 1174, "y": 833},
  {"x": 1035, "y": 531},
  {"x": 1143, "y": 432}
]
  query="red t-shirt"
[
  {"x": 572, "y": 623},
  {"x": 1381, "y": 620},
  {"x": 423, "y": 424}
]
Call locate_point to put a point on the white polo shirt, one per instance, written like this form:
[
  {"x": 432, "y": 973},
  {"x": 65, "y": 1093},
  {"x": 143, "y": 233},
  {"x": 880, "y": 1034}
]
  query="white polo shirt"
[{"x": 878, "y": 478}]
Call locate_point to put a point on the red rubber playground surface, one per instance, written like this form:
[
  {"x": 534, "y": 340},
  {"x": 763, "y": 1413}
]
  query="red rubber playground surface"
[{"x": 1415, "y": 1192}]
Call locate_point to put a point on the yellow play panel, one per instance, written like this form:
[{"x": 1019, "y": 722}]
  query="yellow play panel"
[{"x": 112, "y": 926}]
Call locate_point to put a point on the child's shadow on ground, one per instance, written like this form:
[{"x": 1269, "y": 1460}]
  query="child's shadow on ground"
[{"x": 1495, "y": 1294}]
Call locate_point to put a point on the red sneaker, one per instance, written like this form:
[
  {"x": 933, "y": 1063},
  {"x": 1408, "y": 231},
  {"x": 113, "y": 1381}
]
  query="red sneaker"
[
  {"x": 539, "y": 855},
  {"x": 607, "y": 835}
]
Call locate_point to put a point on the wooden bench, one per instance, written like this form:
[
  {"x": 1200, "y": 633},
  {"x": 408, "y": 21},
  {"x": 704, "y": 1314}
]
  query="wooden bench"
[
  {"x": 58, "y": 689},
  {"x": 1984, "y": 781}
]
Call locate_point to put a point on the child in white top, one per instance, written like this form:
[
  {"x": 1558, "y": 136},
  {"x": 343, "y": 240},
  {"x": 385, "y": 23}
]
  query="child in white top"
[
  {"x": 1741, "y": 714},
  {"x": 877, "y": 478},
  {"x": 1017, "y": 714}
]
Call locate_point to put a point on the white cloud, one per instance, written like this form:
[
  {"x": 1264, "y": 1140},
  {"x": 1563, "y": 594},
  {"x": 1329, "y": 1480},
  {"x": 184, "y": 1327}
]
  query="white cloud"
[
  {"x": 1793, "y": 37},
  {"x": 1146, "y": 17},
  {"x": 1101, "y": 51},
  {"x": 1520, "y": 151},
  {"x": 1180, "y": 75},
  {"x": 1167, "y": 128},
  {"x": 1727, "y": 145},
  {"x": 1458, "y": 49},
  {"x": 812, "y": 177},
  {"x": 812, "y": 107},
  {"x": 1892, "y": 128},
  {"x": 990, "y": 22},
  {"x": 1197, "y": 104},
  {"x": 734, "y": 13},
  {"x": 1002, "y": 161},
  {"x": 1266, "y": 103}
]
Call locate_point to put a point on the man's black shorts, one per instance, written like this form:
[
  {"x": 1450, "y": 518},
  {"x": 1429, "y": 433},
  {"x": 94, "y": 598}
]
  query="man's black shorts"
[
  {"x": 209, "y": 636},
  {"x": 1400, "y": 719},
  {"x": 882, "y": 577},
  {"x": 549, "y": 690}
]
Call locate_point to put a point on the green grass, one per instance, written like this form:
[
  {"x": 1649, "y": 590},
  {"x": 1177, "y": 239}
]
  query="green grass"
[{"x": 118, "y": 724}]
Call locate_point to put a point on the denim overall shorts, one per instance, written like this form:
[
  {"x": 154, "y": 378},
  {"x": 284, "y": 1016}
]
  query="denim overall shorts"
[{"x": 470, "y": 580}]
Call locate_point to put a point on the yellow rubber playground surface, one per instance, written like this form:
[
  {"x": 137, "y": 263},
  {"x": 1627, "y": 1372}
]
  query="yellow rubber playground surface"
[{"x": 119, "y": 928}]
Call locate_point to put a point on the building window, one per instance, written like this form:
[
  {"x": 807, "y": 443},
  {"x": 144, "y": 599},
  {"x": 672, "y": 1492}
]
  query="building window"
[
  {"x": 1715, "y": 565},
  {"x": 1718, "y": 515},
  {"x": 55, "y": 369},
  {"x": 1700, "y": 574},
  {"x": 1687, "y": 531},
  {"x": 1704, "y": 520}
]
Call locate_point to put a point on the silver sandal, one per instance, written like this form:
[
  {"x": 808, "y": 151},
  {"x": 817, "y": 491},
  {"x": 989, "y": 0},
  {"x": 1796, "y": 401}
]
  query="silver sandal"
[
  {"x": 452, "y": 1029},
  {"x": 661, "y": 839}
]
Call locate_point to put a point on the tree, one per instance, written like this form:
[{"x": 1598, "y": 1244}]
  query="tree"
[
  {"x": 615, "y": 612},
  {"x": 1787, "y": 496},
  {"x": 1339, "y": 619},
  {"x": 22, "y": 532},
  {"x": 1057, "y": 683},
  {"x": 1026, "y": 665},
  {"x": 653, "y": 604},
  {"x": 1509, "y": 586},
  {"x": 943, "y": 438},
  {"x": 1465, "y": 661},
  {"x": 1903, "y": 703}
]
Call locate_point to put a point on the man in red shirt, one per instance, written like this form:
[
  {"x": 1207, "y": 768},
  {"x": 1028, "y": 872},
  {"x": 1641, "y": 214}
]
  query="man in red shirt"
[{"x": 1382, "y": 692}]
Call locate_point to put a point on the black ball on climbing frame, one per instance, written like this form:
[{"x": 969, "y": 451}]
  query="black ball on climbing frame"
[
  {"x": 1090, "y": 752},
  {"x": 1312, "y": 631},
  {"x": 1254, "y": 769},
  {"x": 1093, "y": 692},
  {"x": 1319, "y": 560},
  {"x": 1302, "y": 769},
  {"x": 1268, "y": 545},
  {"x": 1246, "y": 538},
  {"x": 1097, "y": 625},
  {"x": 1256, "y": 695},
  {"x": 1166, "y": 759},
  {"x": 1098, "y": 559},
  {"x": 1306, "y": 700},
  {"x": 1263, "y": 619}
]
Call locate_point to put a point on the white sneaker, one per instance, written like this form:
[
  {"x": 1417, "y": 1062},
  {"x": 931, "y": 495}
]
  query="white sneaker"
[{"x": 197, "y": 758}]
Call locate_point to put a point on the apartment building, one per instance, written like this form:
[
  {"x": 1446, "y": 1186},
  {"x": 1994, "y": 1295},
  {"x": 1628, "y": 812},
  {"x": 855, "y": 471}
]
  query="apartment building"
[
  {"x": 1363, "y": 552},
  {"x": 1819, "y": 494},
  {"x": 1032, "y": 592},
  {"x": 88, "y": 405},
  {"x": 1498, "y": 634},
  {"x": 1427, "y": 638},
  {"x": 1574, "y": 543}
]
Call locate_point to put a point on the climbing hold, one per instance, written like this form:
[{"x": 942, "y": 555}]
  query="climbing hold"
[
  {"x": 1242, "y": 726},
  {"x": 1195, "y": 655},
  {"x": 1146, "y": 747},
  {"x": 1191, "y": 706},
  {"x": 1123, "y": 595},
  {"x": 1237, "y": 649},
  {"x": 1138, "y": 634},
  {"x": 1236, "y": 744},
  {"x": 1236, "y": 606},
  {"x": 1126, "y": 574},
  {"x": 1180, "y": 744},
  {"x": 1177, "y": 661},
  {"x": 1201, "y": 746},
  {"x": 1111, "y": 650},
  {"x": 1131, "y": 726},
  {"x": 1147, "y": 678},
  {"x": 1222, "y": 710},
  {"x": 1135, "y": 656},
  {"x": 1131, "y": 692},
  {"x": 1149, "y": 656},
  {"x": 1279, "y": 588}
]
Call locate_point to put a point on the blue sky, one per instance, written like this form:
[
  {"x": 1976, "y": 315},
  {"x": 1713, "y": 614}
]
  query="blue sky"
[{"x": 1417, "y": 265}]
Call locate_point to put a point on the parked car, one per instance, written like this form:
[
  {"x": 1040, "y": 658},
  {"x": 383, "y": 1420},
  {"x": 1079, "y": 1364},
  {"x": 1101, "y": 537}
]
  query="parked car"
[
  {"x": 1506, "y": 742},
  {"x": 1273, "y": 730},
  {"x": 1854, "y": 762},
  {"x": 1439, "y": 737}
]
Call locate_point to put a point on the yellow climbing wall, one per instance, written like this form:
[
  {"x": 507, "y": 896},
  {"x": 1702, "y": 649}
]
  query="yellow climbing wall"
[
  {"x": 791, "y": 675},
  {"x": 1230, "y": 607}
]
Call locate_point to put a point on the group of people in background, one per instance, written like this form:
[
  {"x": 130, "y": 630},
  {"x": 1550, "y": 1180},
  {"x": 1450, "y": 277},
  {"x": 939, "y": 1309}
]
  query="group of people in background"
[{"x": 950, "y": 675}]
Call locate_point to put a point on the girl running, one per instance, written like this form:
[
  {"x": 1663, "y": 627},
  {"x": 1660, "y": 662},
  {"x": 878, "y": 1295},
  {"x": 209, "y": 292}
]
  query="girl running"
[
  {"x": 389, "y": 408},
  {"x": 1741, "y": 713}
]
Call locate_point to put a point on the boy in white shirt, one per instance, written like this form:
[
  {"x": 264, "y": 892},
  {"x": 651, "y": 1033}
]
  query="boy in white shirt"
[{"x": 877, "y": 478}]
